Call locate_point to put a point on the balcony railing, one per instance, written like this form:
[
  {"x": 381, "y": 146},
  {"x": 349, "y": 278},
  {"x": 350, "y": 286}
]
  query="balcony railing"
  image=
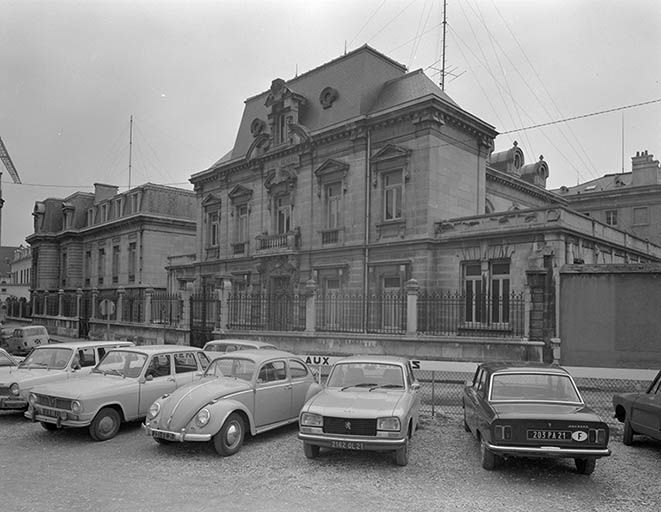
[{"x": 280, "y": 242}]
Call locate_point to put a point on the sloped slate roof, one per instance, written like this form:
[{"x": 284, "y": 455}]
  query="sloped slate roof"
[
  {"x": 411, "y": 86},
  {"x": 607, "y": 182}
]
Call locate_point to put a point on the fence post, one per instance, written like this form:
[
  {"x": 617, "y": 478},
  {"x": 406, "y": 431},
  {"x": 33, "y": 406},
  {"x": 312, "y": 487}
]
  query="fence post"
[
  {"x": 44, "y": 310},
  {"x": 119, "y": 310},
  {"x": 310, "y": 305},
  {"x": 79, "y": 300},
  {"x": 95, "y": 298},
  {"x": 185, "y": 311},
  {"x": 412, "y": 289},
  {"x": 224, "y": 296},
  {"x": 148, "y": 296},
  {"x": 60, "y": 302}
]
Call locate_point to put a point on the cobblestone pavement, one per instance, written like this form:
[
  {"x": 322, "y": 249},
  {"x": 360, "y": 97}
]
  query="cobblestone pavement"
[{"x": 66, "y": 471}]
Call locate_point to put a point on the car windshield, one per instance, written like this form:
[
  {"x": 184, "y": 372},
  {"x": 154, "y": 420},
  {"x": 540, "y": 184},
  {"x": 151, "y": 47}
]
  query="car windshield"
[
  {"x": 121, "y": 362},
  {"x": 366, "y": 375},
  {"x": 5, "y": 360},
  {"x": 534, "y": 387},
  {"x": 232, "y": 367},
  {"x": 48, "y": 357}
]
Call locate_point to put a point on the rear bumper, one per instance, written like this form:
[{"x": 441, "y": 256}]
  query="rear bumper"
[
  {"x": 548, "y": 451},
  {"x": 12, "y": 403},
  {"x": 180, "y": 436}
]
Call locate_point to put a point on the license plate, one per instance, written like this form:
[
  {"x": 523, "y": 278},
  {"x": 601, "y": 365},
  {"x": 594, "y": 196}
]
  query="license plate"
[
  {"x": 347, "y": 445},
  {"x": 48, "y": 412},
  {"x": 549, "y": 435},
  {"x": 169, "y": 436}
]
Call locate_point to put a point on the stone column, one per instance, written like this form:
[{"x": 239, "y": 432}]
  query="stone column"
[
  {"x": 148, "y": 296},
  {"x": 186, "y": 312},
  {"x": 412, "y": 289},
  {"x": 44, "y": 306},
  {"x": 224, "y": 295},
  {"x": 79, "y": 300},
  {"x": 95, "y": 298},
  {"x": 119, "y": 310},
  {"x": 311, "y": 305},
  {"x": 60, "y": 302}
]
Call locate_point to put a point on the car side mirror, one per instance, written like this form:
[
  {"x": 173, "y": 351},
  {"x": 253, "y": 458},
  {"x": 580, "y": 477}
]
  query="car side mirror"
[
  {"x": 149, "y": 377},
  {"x": 76, "y": 367},
  {"x": 415, "y": 386}
]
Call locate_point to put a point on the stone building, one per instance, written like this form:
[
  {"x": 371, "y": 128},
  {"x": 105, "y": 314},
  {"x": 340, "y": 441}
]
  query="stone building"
[
  {"x": 360, "y": 176},
  {"x": 630, "y": 201}
]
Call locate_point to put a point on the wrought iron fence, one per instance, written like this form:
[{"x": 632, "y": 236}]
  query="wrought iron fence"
[
  {"x": 166, "y": 308},
  {"x": 259, "y": 310},
  {"x": 456, "y": 313},
  {"x": 69, "y": 304},
  {"x": 19, "y": 307},
  {"x": 133, "y": 305}
]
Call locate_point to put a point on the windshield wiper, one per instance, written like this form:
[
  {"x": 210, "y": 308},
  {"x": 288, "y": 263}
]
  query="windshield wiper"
[
  {"x": 387, "y": 386},
  {"x": 361, "y": 385},
  {"x": 112, "y": 372}
]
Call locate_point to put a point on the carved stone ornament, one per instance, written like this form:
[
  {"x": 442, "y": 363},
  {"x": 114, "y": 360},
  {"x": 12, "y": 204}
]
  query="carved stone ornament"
[
  {"x": 327, "y": 97},
  {"x": 257, "y": 126}
]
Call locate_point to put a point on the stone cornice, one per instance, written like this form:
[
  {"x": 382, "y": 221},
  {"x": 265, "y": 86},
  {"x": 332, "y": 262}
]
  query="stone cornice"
[{"x": 516, "y": 183}]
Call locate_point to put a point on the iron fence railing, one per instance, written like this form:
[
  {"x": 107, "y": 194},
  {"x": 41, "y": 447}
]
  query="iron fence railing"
[
  {"x": 274, "y": 312},
  {"x": 133, "y": 305},
  {"x": 166, "y": 308}
]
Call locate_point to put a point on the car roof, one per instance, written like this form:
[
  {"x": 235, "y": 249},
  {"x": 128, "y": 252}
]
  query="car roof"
[
  {"x": 161, "y": 349},
  {"x": 518, "y": 366},
  {"x": 86, "y": 343},
  {"x": 257, "y": 355},
  {"x": 375, "y": 359},
  {"x": 252, "y": 343}
]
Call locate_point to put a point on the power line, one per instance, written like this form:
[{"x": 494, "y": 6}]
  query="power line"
[{"x": 616, "y": 109}]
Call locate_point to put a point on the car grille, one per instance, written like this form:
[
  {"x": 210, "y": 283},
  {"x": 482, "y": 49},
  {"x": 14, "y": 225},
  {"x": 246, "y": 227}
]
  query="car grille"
[
  {"x": 4, "y": 391},
  {"x": 55, "y": 402},
  {"x": 350, "y": 426}
]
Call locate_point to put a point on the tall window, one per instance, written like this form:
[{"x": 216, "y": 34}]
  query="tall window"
[
  {"x": 115, "y": 264},
  {"x": 474, "y": 293},
  {"x": 333, "y": 195},
  {"x": 214, "y": 218},
  {"x": 88, "y": 267},
  {"x": 104, "y": 213},
  {"x": 135, "y": 203},
  {"x": 487, "y": 294},
  {"x": 132, "y": 263},
  {"x": 611, "y": 217},
  {"x": 392, "y": 195},
  {"x": 63, "y": 270},
  {"x": 101, "y": 265},
  {"x": 500, "y": 292},
  {"x": 641, "y": 216},
  {"x": 391, "y": 310},
  {"x": 280, "y": 126},
  {"x": 242, "y": 223},
  {"x": 283, "y": 214}
]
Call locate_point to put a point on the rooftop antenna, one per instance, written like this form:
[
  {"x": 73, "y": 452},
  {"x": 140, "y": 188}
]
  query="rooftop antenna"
[
  {"x": 445, "y": 22},
  {"x": 296, "y": 75},
  {"x": 345, "y": 47},
  {"x": 622, "y": 142},
  {"x": 130, "y": 147}
]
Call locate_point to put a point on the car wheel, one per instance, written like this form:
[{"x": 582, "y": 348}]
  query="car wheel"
[
  {"x": 402, "y": 454},
  {"x": 51, "y": 427},
  {"x": 627, "y": 436},
  {"x": 105, "y": 424},
  {"x": 229, "y": 439},
  {"x": 489, "y": 459},
  {"x": 585, "y": 466},
  {"x": 311, "y": 450},
  {"x": 466, "y": 427}
]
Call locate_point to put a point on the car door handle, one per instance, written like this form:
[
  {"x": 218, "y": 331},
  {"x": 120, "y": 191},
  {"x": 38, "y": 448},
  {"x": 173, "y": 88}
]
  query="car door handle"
[{"x": 287, "y": 387}]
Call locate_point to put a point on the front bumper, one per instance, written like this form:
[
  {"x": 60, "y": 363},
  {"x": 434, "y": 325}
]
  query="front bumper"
[
  {"x": 352, "y": 442},
  {"x": 58, "y": 420},
  {"x": 179, "y": 436},
  {"x": 8, "y": 402},
  {"x": 548, "y": 451}
]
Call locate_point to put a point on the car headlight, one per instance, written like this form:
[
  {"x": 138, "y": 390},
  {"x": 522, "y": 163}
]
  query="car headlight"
[
  {"x": 14, "y": 389},
  {"x": 388, "y": 424},
  {"x": 32, "y": 399},
  {"x": 154, "y": 409},
  {"x": 76, "y": 407},
  {"x": 202, "y": 417},
  {"x": 309, "y": 419}
]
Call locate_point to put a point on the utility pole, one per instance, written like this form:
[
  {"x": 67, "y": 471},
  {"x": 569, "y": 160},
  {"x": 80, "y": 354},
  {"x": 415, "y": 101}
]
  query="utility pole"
[
  {"x": 130, "y": 148},
  {"x": 445, "y": 22}
]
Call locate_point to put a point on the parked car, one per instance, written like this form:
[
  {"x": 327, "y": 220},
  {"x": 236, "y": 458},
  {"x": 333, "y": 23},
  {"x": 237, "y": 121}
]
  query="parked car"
[
  {"x": 120, "y": 388},
  {"x": 48, "y": 364},
  {"x": 368, "y": 403},
  {"x": 640, "y": 412},
  {"x": 25, "y": 338},
  {"x": 247, "y": 391},
  {"x": 7, "y": 362},
  {"x": 214, "y": 348},
  {"x": 532, "y": 410}
]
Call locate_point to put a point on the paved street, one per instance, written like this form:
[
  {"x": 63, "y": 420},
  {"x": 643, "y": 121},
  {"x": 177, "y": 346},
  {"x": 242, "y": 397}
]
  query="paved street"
[{"x": 65, "y": 471}]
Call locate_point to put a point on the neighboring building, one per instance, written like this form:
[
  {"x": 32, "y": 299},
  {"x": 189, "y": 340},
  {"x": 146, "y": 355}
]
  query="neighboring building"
[
  {"x": 630, "y": 201},
  {"x": 21, "y": 272},
  {"x": 6, "y": 289},
  {"x": 361, "y": 176},
  {"x": 106, "y": 240}
]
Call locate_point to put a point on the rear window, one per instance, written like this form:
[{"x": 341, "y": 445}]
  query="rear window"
[{"x": 534, "y": 387}]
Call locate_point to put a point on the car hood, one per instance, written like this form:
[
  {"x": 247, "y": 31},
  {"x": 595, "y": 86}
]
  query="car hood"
[
  {"x": 545, "y": 411},
  {"x": 27, "y": 378},
  {"x": 86, "y": 386},
  {"x": 180, "y": 406},
  {"x": 355, "y": 404}
]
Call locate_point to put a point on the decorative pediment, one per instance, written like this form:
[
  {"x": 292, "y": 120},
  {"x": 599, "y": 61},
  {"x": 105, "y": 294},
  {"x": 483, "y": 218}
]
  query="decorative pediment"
[
  {"x": 240, "y": 194},
  {"x": 389, "y": 153},
  {"x": 210, "y": 200},
  {"x": 280, "y": 177},
  {"x": 331, "y": 170}
]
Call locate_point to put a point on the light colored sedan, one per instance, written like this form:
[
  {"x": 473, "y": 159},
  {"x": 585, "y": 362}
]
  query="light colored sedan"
[
  {"x": 368, "y": 403},
  {"x": 246, "y": 391},
  {"x": 214, "y": 348},
  {"x": 120, "y": 388},
  {"x": 49, "y": 364}
]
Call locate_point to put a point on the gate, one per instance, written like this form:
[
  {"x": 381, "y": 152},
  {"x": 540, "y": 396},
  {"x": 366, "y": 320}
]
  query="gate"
[{"x": 204, "y": 313}]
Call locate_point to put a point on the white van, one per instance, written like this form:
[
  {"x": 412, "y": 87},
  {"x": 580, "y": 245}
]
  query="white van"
[{"x": 26, "y": 338}]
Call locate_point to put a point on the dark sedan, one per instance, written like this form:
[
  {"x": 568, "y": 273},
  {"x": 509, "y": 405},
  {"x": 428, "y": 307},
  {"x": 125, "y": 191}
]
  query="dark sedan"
[
  {"x": 640, "y": 412},
  {"x": 532, "y": 410}
]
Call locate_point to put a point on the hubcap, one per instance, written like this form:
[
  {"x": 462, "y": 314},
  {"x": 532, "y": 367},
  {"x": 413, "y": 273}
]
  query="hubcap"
[
  {"x": 106, "y": 425},
  {"x": 232, "y": 435}
]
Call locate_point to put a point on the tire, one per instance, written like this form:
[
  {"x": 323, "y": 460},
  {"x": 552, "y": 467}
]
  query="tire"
[
  {"x": 229, "y": 439},
  {"x": 311, "y": 450},
  {"x": 402, "y": 454},
  {"x": 466, "y": 427},
  {"x": 489, "y": 459},
  {"x": 585, "y": 466},
  {"x": 51, "y": 427},
  {"x": 105, "y": 424},
  {"x": 627, "y": 436}
]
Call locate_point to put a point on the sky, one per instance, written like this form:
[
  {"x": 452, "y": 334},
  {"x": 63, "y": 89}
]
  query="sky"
[{"x": 72, "y": 73}]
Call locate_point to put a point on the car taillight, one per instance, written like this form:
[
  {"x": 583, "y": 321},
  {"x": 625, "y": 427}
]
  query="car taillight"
[
  {"x": 597, "y": 435},
  {"x": 503, "y": 432}
]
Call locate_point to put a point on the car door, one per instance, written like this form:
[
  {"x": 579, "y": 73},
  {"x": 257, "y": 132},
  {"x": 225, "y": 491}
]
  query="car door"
[
  {"x": 185, "y": 367},
  {"x": 470, "y": 399},
  {"x": 157, "y": 380},
  {"x": 273, "y": 393},
  {"x": 300, "y": 382},
  {"x": 646, "y": 411}
]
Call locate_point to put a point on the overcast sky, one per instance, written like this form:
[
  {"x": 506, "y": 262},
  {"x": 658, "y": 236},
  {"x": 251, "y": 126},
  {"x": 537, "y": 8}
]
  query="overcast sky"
[{"x": 73, "y": 72}]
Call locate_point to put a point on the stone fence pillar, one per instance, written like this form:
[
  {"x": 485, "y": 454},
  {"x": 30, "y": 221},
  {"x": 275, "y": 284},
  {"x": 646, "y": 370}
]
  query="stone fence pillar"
[
  {"x": 95, "y": 300},
  {"x": 412, "y": 290},
  {"x": 185, "y": 310},
  {"x": 224, "y": 297},
  {"x": 119, "y": 310},
  {"x": 60, "y": 302},
  {"x": 310, "y": 305},
  {"x": 149, "y": 292}
]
